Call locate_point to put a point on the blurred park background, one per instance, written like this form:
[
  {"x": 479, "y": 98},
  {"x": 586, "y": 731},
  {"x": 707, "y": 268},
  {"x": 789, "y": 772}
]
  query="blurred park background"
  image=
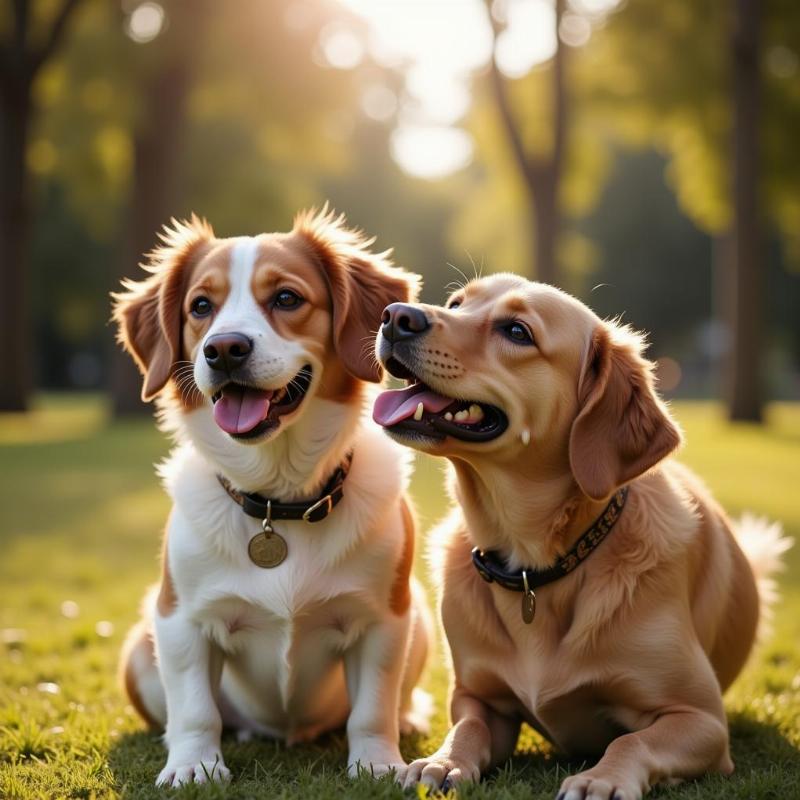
[{"x": 642, "y": 155}]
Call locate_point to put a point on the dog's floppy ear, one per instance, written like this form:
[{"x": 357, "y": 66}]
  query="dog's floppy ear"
[
  {"x": 148, "y": 313},
  {"x": 622, "y": 428},
  {"x": 361, "y": 285}
]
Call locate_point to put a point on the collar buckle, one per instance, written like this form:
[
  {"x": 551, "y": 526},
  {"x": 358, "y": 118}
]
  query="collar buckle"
[
  {"x": 478, "y": 561},
  {"x": 326, "y": 501}
]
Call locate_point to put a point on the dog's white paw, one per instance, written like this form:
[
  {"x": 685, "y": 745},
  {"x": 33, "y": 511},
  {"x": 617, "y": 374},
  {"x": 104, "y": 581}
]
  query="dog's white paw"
[
  {"x": 375, "y": 757},
  {"x": 588, "y": 786},
  {"x": 440, "y": 771},
  {"x": 196, "y": 772}
]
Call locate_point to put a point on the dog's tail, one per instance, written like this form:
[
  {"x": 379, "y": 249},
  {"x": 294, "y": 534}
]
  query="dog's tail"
[{"x": 764, "y": 545}]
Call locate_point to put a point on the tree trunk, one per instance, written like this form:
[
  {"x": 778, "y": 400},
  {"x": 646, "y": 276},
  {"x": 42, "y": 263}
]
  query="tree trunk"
[
  {"x": 15, "y": 116},
  {"x": 157, "y": 147},
  {"x": 544, "y": 203},
  {"x": 19, "y": 65},
  {"x": 720, "y": 344},
  {"x": 541, "y": 175},
  {"x": 746, "y": 399}
]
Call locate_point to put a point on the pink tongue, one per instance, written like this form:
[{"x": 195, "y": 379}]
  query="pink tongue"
[
  {"x": 394, "y": 406},
  {"x": 240, "y": 409}
]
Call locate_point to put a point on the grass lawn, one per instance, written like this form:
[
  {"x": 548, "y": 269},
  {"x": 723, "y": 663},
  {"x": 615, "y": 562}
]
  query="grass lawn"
[{"x": 80, "y": 520}]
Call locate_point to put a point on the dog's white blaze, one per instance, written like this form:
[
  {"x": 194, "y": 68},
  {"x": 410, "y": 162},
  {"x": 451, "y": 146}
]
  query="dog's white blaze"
[
  {"x": 274, "y": 359},
  {"x": 240, "y": 307}
]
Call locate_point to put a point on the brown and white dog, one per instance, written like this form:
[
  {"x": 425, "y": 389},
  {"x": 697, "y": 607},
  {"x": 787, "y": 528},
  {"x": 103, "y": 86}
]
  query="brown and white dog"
[
  {"x": 544, "y": 412},
  {"x": 258, "y": 349}
]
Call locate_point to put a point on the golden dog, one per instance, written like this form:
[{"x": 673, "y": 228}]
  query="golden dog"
[{"x": 648, "y": 604}]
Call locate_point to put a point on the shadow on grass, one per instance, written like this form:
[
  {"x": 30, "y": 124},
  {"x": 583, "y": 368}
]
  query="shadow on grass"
[
  {"x": 260, "y": 768},
  {"x": 767, "y": 766}
]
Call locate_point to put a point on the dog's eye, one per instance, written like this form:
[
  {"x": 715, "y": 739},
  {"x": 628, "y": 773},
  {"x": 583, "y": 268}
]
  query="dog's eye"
[
  {"x": 286, "y": 298},
  {"x": 517, "y": 333},
  {"x": 454, "y": 305},
  {"x": 201, "y": 307}
]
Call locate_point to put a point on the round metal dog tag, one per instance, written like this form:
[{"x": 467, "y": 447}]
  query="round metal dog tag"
[{"x": 267, "y": 549}]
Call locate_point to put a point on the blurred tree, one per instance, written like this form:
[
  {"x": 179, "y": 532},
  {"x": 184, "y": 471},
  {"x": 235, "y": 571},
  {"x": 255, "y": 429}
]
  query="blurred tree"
[
  {"x": 539, "y": 172},
  {"x": 693, "y": 86},
  {"x": 746, "y": 389},
  {"x": 660, "y": 75},
  {"x": 234, "y": 116},
  {"x": 29, "y": 36},
  {"x": 496, "y": 219},
  {"x": 164, "y": 80}
]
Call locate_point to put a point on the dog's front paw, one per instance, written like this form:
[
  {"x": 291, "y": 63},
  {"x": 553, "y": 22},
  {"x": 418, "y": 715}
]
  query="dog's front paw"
[
  {"x": 200, "y": 771},
  {"x": 375, "y": 757},
  {"x": 440, "y": 771},
  {"x": 591, "y": 785}
]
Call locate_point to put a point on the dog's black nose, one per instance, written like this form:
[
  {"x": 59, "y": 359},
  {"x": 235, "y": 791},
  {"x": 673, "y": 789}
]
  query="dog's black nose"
[
  {"x": 226, "y": 351},
  {"x": 401, "y": 321}
]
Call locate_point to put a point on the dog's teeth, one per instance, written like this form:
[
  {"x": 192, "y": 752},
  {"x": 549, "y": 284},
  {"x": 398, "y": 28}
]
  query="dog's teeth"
[
  {"x": 418, "y": 412},
  {"x": 475, "y": 413},
  {"x": 461, "y": 416},
  {"x": 449, "y": 416},
  {"x": 525, "y": 437}
]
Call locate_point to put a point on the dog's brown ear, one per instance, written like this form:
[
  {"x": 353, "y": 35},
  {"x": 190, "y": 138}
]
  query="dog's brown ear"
[
  {"x": 148, "y": 312},
  {"x": 361, "y": 285},
  {"x": 622, "y": 428}
]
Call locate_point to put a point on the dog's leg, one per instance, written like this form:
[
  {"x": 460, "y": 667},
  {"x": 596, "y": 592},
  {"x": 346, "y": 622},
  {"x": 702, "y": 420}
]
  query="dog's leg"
[
  {"x": 479, "y": 738},
  {"x": 139, "y": 675},
  {"x": 416, "y": 705},
  {"x": 374, "y": 670},
  {"x": 683, "y": 742},
  {"x": 190, "y": 667}
]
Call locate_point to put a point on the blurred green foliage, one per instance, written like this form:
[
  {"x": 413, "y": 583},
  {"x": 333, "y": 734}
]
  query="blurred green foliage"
[{"x": 271, "y": 128}]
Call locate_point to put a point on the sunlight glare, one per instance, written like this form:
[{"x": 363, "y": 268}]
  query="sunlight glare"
[
  {"x": 594, "y": 7},
  {"x": 439, "y": 45},
  {"x": 443, "y": 98},
  {"x": 429, "y": 151},
  {"x": 529, "y": 38}
]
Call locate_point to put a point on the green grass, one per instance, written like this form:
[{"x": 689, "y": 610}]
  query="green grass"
[{"x": 80, "y": 521}]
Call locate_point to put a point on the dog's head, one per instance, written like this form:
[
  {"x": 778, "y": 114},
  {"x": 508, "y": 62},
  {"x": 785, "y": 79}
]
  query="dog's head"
[
  {"x": 521, "y": 372},
  {"x": 255, "y": 326}
]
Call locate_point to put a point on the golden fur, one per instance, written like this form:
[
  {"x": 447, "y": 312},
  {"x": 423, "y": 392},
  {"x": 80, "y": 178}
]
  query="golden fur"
[{"x": 628, "y": 655}]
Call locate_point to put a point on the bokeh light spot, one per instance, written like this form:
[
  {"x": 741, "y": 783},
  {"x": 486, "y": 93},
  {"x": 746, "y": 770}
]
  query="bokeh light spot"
[
  {"x": 574, "y": 30},
  {"x": 668, "y": 374},
  {"x": 379, "y": 102},
  {"x": 782, "y": 61},
  {"x": 341, "y": 48},
  {"x": 145, "y": 22}
]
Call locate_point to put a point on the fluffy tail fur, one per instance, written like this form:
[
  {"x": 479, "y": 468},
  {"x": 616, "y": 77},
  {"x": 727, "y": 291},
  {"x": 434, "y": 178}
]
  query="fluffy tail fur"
[{"x": 764, "y": 544}]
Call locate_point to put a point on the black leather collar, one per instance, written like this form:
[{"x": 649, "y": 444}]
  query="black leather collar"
[
  {"x": 491, "y": 568},
  {"x": 255, "y": 505}
]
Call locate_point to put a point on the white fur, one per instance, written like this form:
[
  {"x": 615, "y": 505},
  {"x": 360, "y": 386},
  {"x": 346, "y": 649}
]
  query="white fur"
[
  {"x": 273, "y": 358},
  {"x": 287, "y": 651},
  {"x": 764, "y": 544}
]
